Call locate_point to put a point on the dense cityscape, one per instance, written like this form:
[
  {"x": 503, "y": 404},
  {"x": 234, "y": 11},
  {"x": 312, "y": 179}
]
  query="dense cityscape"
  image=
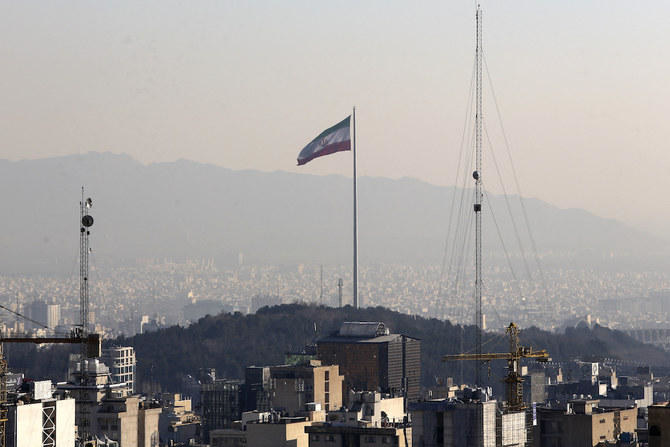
[
  {"x": 168, "y": 293},
  {"x": 231, "y": 291}
]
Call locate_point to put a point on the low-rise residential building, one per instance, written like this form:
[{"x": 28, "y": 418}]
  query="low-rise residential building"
[
  {"x": 583, "y": 423},
  {"x": 371, "y": 407},
  {"x": 293, "y": 386},
  {"x": 327, "y": 435},
  {"x": 177, "y": 422},
  {"x": 107, "y": 411}
]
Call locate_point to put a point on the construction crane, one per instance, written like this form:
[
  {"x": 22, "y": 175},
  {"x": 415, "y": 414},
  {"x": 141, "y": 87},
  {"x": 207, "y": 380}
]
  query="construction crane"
[
  {"x": 513, "y": 380},
  {"x": 91, "y": 343}
]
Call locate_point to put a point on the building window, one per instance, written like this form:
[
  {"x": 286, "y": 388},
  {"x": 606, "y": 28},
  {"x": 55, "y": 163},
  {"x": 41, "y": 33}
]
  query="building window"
[
  {"x": 369, "y": 439},
  {"x": 327, "y": 375},
  {"x": 330, "y": 438},
  {"x": 314, "y": 437}
]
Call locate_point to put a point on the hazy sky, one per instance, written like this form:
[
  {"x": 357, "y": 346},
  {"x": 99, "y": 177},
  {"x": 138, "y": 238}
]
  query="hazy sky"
[{"x": 583, "y": 87}]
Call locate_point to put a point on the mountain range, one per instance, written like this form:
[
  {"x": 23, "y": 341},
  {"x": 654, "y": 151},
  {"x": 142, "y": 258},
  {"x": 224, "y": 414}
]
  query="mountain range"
[{"x": 185, "y": 209}]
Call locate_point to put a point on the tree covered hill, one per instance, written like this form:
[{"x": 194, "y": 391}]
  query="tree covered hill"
[{"x": 230, "y": 342}]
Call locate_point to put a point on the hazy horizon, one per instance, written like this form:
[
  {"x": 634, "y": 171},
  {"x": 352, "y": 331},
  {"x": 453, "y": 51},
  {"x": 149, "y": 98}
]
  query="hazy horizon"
[{"x": 581, "y": 87}]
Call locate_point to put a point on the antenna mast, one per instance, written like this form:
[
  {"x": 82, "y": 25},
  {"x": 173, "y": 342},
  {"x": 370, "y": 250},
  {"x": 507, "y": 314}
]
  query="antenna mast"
[
  {"x": 85, "y": 222},
  {"x": 477, "y": 175}
]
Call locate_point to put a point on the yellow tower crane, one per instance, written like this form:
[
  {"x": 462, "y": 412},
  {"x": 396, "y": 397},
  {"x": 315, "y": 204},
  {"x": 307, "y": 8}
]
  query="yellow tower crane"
[{"x": 513, "y": 380}]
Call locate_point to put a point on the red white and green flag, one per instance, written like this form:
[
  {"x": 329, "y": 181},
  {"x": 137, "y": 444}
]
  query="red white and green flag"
[{"x": 331, "y": 140}]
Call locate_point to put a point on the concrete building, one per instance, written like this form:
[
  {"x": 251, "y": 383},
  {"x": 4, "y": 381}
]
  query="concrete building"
[
  {"x": 371, "y": 408},
  {"x": 294, "y": 386},
  {"x": 445, "y": 422},
  {"x": 37, "y": 419},
  {"x": 535, "y": 387},
  {"x": 220, "y": 404},
  {"x": 106, "y": 410},
  {"x": 47, "y": 314},
  {"x": 177, "y": 422},
  {"x": 369, "y": 419},
  {"x": 373, "y": 359},
  {"x": 122, "y": 365},
  {"x": 326, "y": 435},
  {"x": 257, "y": 428},
  {"x": 227, "y": 437},
  {"x": 279, "y": 432},
  {"x": 582, "y": 423},
  {"x": 511, "y": 429},
  {"x": 256, "y": 389},
  {"x": 659, "y": 424}
]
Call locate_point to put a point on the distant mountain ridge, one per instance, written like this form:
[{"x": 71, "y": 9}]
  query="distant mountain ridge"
[{"x": 186, "y": 209}]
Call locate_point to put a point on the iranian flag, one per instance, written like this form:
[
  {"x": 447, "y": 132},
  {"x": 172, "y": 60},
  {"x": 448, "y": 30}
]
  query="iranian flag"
[{"x": 334, "y": 139}]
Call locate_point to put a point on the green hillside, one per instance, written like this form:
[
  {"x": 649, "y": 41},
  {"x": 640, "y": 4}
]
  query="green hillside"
[{"x": 230, "y": 342}]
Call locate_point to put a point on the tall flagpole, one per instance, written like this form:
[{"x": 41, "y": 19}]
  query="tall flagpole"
[{"x": 355, "y": 220}]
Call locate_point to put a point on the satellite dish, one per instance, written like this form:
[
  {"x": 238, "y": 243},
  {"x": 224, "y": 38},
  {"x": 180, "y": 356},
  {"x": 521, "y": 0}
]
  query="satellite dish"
[{"x": 87, "y": 220}]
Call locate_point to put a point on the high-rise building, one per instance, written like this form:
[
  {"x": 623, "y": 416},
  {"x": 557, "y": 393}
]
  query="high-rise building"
[
  {"x": 220, "y": 403},
  {"x": 535, "y": 387},
  {"x": 373, "y": 359},
  {"x": 43, "y": 313},
  {"x": 256, "y": 389},
  {"x": 122, "y": 365}
]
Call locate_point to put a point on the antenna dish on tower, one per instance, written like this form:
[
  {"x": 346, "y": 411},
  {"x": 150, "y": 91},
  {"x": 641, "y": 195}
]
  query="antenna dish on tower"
[{"x": 87, "y": 220}]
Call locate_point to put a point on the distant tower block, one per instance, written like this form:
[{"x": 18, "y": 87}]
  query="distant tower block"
[
  {"x": 340, "y": 284},
  {"x": 240, "y": 259}
]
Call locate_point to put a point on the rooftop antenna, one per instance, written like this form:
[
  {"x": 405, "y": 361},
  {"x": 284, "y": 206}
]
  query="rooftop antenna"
[
  {"x": 85, "y": 223},
  {"x": 321, "y": 295},
  {"x": 340, "y": 284},
  {"x": 477, "y": 175}
]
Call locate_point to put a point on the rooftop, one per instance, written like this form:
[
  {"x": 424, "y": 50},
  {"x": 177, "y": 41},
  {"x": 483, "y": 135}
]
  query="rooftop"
[{"x": 363, "y": 329}]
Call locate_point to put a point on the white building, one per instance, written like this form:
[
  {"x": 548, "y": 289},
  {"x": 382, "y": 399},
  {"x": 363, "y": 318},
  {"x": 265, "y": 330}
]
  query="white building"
[
  {"x": 41, "y": 422},
  {"x": 122, "y": 365},
  {"x": 371, "y": 407}
]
